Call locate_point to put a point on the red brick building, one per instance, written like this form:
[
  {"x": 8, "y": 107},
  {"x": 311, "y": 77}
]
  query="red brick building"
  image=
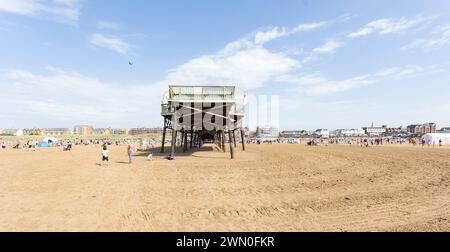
[{"x": 422, "y": 129}]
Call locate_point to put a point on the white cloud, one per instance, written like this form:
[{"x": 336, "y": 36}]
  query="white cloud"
[
  {"x": 439, "y": 39},
  {"x": 340, "y": 86},
  {"x": 248, "y": 68},
  {"x": 108, "y": 25},
  {"x": 73, "y": 98},
  {"x": 263, "y": 36},
  {"x": 248, "y": 64},
  {"x": 61, "y": 97},
  {"x": 308, "y": 27},
  {"x": 317, "y": 84},
  {"x": 111, "y": 42},
  {"x": 244, "y": 62},
  {"x": 391, "y": 25},
  {"x": 400, "y": 72},
  {"x": 329, "y": 48},
  {"x": 64, "y": 11}
]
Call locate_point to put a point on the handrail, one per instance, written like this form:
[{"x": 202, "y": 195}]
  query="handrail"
[
  {"x": 236, "y": 109},
  {"x": 202, "y": 92}
]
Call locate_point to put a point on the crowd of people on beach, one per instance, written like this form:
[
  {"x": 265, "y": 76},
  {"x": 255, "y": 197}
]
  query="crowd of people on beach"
[
  {"x": 357, "y": 141},
  {"x": 69, "y": 144},
  {"x": 149, "y": 144}
]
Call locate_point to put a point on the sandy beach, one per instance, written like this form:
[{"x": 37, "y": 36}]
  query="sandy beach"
[{"x": 267, "y": 188}]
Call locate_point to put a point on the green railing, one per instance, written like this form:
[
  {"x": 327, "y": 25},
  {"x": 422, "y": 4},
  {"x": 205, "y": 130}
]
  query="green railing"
[
  {"x": 236, "y": 109},
  {"x": 202, "y": 93},
  {"x": 165, "y": 109}
]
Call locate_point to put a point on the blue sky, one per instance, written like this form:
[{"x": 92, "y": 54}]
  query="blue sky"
[{"x": 333, "y": 64}]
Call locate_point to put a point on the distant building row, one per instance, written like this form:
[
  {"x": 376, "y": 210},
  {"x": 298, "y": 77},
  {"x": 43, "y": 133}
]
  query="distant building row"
[
  {"x": 368, "y": 131},
  {"x": 80, "y": 130},
  {"x": 89, "y": 130}
]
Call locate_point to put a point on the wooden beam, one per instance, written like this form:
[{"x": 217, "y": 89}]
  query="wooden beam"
[
  {"x": 223, "y": 141},
  {"x": 192, "y": 136},
  {"x": 174, "y": 140},
  {"x": 185, "y": 142},
  {"x": 230, "y": 139},
  {"x": 163, "y": 138},
  {"x": 242, "y": 139}
]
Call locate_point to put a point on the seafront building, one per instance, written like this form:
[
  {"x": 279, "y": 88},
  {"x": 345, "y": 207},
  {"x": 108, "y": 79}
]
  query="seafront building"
[
  {"x": 374, "y": 131},
  {"x": 324, "y": 133},
  {"x": 102, "y": 131},
  {"x": 426, "y": 128},
  {"x": 293, "y": 133},
  {"x": 83, "y": 130},
  {"x": 55, "y": 132},
  {"x": 444, "y": 130},
  {"x": 144, "y": 131},
  {"x": 11, "y": 132},
  {"x": 120, "y": 131},
  {"x": 350, "y": 132}
]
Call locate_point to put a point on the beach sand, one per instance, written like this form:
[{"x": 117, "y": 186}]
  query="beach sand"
[{"x": 267, "y": 188}]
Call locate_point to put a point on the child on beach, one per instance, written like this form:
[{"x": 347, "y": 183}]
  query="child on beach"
[{"x": 105, "y": 154}]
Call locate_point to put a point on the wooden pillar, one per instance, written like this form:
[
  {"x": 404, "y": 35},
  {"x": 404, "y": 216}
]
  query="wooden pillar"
[
  {"x": 242, "y": 139},
  {"x": 163, "y": 137},
  {"x": 223, "y": 141},
  {"x": 192, "y": 135},
  {"x": 234, "y": 138},
  {"x": 185, "y": 141},
  {"x": 174, "y": 138},
  {"x": 230, "y": 139},
  {"x": 219, "y": 140},
  {"x": 196, "y": 137}
]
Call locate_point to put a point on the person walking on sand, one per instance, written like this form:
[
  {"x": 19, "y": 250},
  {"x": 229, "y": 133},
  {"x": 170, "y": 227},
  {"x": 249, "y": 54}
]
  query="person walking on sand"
[
  {"x": 130, "y": 153},
  {"x": 105, "y": 154}
]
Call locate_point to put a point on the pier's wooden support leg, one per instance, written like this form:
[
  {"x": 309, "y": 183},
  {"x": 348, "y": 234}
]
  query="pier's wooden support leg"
[
  {"x": 163, "y": 138},
  {"x": 174, "y": 141},
  {"x": 195, "y": 138},
  {"x": 216, "y": 139},
  {"x": 181, "y": 138},
  {"x": 242, "y": 139},
  {"x": 174, "y": 135},
  {"x": 223, "y": 141},
  {"x": 230, "y": 139},
  {"x": 234, "y": 138},
  {"x": 185, "y": 141},
  {"x": 192, "y": 136}
]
